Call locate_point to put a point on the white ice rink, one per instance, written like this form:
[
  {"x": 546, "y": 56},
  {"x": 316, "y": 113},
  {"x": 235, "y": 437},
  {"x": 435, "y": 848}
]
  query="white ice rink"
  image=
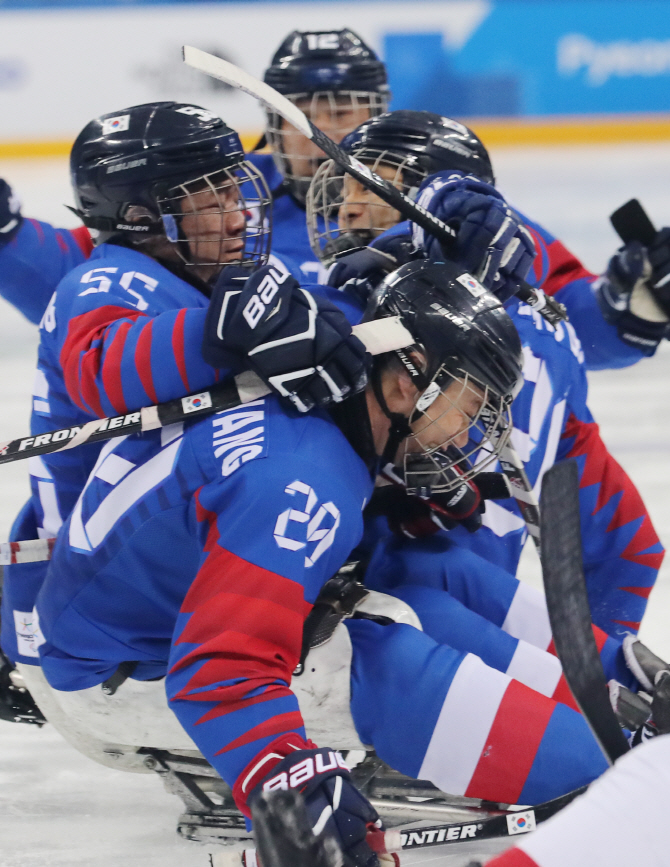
[{"x": 57, "y": 809}]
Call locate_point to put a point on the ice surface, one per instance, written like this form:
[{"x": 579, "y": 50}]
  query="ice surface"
[{"x": 58, "y": 809}]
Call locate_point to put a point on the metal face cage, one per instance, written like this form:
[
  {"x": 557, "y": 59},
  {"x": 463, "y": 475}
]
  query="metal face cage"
[
  {"x": 219, "y": 219},
  {"x": 341, "y": 213},
  {"x": 458, "y": 423},
  {"x": 337, "y": 113}
]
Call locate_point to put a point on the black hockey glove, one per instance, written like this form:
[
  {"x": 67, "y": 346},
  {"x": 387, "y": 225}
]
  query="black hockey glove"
[
  {"x": 360, "y": 272},
  {"x": 634, "y": 292},
  {"x": 299, "y": 344},
  {"x": 491, "y": 242},
  {"x": 334, "y": 805},
  {"x": 10, "y": 213}
]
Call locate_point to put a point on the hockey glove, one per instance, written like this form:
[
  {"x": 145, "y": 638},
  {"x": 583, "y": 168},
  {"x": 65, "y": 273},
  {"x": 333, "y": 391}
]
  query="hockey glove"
[
  {"x": 334, "y": 806},
  {"x": 360, "y": 272},
  {"x": 426, "y": 512},
  {"x": 491, "y": 242},
  {"x": 634, "y": 292},
  {"x": 299, "y": 344},
  {"x": 10, "y": 213}
]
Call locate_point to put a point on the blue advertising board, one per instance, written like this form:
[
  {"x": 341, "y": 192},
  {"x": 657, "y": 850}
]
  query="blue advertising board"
[{"x": 541, "y": 58}]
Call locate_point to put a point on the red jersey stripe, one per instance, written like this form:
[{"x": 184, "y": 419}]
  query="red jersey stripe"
[
  {"x": 277, "y": 725},
  {"x": 111, "y": 369},
  {"x": 178, "y": 347},
  {"x": 512, "y": 744},
  {"x": 143, "y": 361}
]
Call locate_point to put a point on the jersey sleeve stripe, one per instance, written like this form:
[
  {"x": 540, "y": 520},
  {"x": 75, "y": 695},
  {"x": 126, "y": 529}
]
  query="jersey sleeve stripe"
[
  {"x": 276, "y": 725},
  {"x": 111, "y": 369},
  {"x": 143, "y": 361},
  {"x": 178, "y": 347},
  {"x": 81, "y": 356}
]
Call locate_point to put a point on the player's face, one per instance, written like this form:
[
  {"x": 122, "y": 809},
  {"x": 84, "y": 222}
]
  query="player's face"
[
  {"x": 214, "y": 225},
  {"x": 337, "y": 116},
  {"x": 362, "y": 210},
  {"x": 448, "y": 419}
]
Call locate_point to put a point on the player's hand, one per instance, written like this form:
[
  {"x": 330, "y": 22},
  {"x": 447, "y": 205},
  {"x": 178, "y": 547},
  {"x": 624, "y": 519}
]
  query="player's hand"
[
  {"x": 634, "y": 293},
  {"x": 301, "y": 345},
  {"x": 10, "y": 213},
  {"x": 334, "y": 805},
  {"x": 491, "y": 241}
]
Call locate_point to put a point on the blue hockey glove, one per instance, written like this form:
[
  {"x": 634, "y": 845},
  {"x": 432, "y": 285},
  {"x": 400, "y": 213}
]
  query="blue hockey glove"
[
  {"x": 334, "y": 806},
  {"x": 10, "y": 213},
  {"x": 491, "y": 243},
  {"x": 632, "y": 293},
  {"x": 299, "y": 344},
  {"x": 360, "y": 272}
]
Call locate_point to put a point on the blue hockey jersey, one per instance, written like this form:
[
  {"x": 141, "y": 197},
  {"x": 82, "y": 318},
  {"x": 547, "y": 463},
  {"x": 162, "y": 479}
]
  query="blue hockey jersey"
[{"x": 199, "y": 552}]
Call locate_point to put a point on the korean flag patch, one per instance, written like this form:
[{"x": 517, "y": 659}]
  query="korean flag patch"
[
  {"x": 196, "y": 402},
  {"x": 473, "y": 286},
  {"x": 521, "y": 823},
  {"x": 115, "y": 124}
]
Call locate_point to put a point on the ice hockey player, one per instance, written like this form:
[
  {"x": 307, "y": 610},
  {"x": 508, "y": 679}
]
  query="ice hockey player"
[
  {"x": 196, "y": 553},
  {"x": 159, "y": 184},
  {"x": 551, "y": 419},
  {"x": 339, "y": 82}
]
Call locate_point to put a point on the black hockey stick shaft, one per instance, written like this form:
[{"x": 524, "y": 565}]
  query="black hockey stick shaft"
[
  {"x": 282, "y": 839},
  {"x": 631, "y": 223},
  {"x": 192, "y": 407},
  {"x": 568, "y": 605},
  {"x": 378, "y": 336},
  {"x": 550, "y": 309}
]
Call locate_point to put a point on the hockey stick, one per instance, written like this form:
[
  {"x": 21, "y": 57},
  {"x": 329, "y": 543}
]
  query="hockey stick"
[
  {"x": 568, "y": 605},
  {"x": 522, "y": 491},
  {"x": 227, "y": 72},
  {"x": 631, "y": 223},
  {"x": 379, "y": 336},
  {"x": 274, "y": 834}
]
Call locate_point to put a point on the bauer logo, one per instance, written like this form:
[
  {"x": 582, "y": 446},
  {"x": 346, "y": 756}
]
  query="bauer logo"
[
  {"x": 115, "y": 124},
  {"x": 521, "y": 823},
  {"x": 196, "y": 402}
]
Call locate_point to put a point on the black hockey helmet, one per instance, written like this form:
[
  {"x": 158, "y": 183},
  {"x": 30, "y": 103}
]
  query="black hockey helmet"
[
  {"x": 325, "y": 60},
  {"x": 414, "y": 144},
  {"x": 150, "y": 158},
  {"x": 424, "y": 140},
  {"x": 327, "y": 70},
  {"x": 466, "y": 346}
]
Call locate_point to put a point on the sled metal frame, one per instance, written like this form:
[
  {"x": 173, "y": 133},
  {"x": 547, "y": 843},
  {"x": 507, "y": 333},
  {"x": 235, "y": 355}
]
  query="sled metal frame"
[{"x": 211, "y": 816}]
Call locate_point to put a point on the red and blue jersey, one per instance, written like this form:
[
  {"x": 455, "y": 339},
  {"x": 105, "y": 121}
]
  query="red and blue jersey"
[
  {"x": 552, "y": 422},
  {"x": 198, "y": 553},
  {"x": 560, "y": 274},
  {"x": 35, "y": 261},
  {"x": 121, "y": 332}
]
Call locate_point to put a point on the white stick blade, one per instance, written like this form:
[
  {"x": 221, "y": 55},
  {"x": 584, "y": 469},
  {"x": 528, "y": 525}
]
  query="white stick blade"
[{"x": 238, "y": 78}]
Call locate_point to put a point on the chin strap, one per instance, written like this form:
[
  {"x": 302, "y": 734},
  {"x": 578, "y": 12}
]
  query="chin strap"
[{"x": 399, "y": 429}]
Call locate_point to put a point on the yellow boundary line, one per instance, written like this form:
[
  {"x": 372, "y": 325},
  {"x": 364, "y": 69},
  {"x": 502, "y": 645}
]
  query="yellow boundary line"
[{"x": 501, "y": 132}]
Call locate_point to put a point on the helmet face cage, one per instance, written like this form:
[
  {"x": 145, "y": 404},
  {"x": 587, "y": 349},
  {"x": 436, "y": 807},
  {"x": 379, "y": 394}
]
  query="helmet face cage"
[
  {"x": 327, "y": 221},
  {"x": 239, "y": 198},
  {"x": 298, "y": 169},
  {"x": 444, "y": 466}
]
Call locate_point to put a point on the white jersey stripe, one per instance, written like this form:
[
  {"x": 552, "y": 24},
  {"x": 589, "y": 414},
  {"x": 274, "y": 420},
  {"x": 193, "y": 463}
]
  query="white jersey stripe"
[
  {"x": 527, "y": 617},
  {"x": 539, "y": 670},
  {"x": 459, "y": 737}
]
